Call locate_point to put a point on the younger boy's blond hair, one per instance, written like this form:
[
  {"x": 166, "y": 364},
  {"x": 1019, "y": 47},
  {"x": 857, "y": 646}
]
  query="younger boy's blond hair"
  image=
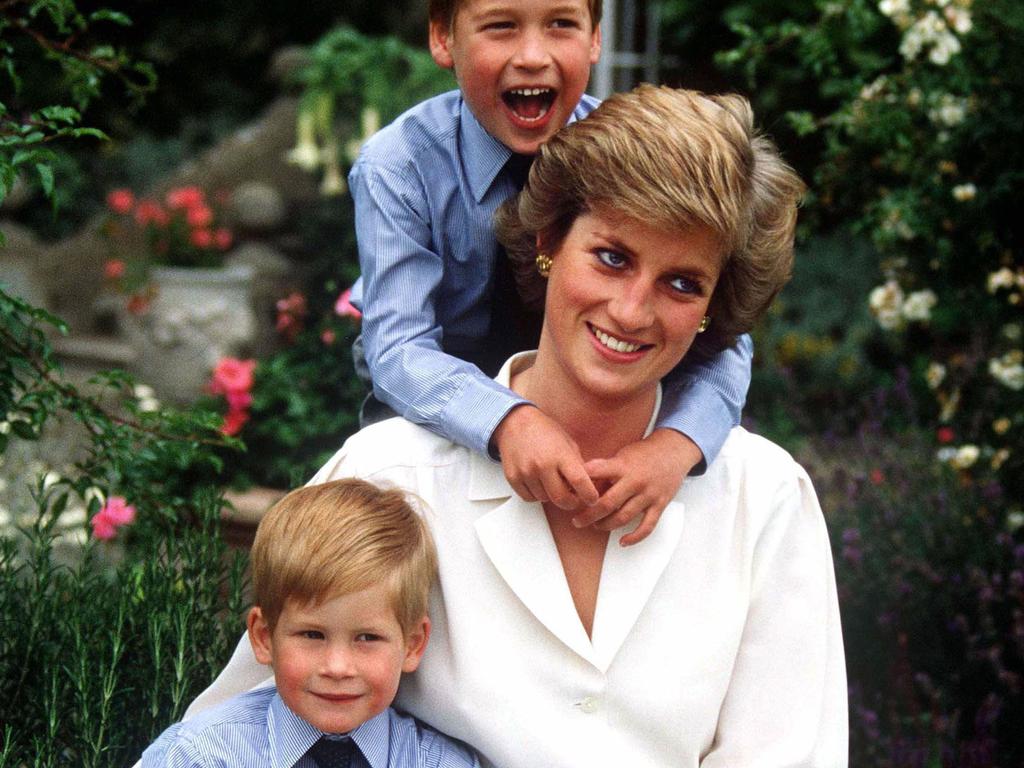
[
  {"x": 443, "y": 11},
  {"x": 340, "y": 537}
]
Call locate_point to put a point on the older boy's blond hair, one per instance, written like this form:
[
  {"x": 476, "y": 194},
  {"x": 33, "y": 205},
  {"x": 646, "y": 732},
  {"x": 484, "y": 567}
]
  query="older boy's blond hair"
[
  {"x": 672, "y": 159},
  {"x": 443, "y": 11},
  {"x": 332, "y": 539}
]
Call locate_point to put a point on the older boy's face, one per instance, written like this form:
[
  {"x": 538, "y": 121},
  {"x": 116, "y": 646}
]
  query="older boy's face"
[
  {"x": 522, "y": 65},
  {"x": 337, "y": 664}
]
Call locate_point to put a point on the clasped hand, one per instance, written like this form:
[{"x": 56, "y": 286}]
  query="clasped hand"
[{"x": 543, "y": 463}]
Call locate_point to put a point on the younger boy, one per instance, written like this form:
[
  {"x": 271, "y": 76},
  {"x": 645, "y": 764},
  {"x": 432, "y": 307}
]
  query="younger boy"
[
  {"x": 341, "y": 573},
  {"x": 437, "y": 318}
]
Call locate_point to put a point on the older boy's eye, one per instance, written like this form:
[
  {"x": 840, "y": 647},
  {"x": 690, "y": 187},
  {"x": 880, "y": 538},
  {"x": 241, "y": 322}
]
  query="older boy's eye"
[
  {"x": 368, "y": 637},
  {"x": 565, "y": 23},
  {"x": 312, "y": 634},
  {"x": 612, "y": 259}
]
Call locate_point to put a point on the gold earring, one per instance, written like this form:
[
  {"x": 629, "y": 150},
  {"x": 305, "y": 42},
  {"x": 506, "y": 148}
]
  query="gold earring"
[
  {"x": 543, "y": 262},
  {"x": 704, "y": 324}
]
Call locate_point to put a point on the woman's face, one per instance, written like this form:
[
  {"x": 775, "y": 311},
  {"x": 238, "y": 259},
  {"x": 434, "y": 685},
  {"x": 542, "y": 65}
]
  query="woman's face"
[{"x": 624, "y": 302}]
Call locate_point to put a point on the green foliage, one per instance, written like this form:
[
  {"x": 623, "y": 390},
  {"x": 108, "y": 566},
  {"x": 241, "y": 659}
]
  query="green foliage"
[
  {"x": 107, "y": 653},
  {"x": 55, "y": 33},
  {"x": 913, "y": 109},
  {"x": 351, "y": 74}
]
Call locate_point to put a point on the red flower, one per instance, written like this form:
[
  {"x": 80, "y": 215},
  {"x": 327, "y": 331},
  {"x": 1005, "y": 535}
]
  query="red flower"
[
  {"x": 328, "y": 336},
  {"x": 876, "y": 476},
  {"x": 113, "y": 269},
  {"x": 151, "y": 212},
  {"x": 201, "y": 238},
  {"x": 185, "y": 198},
  {"x": 945, "y": 435},
  {"x": 138, "y": 304},
  {"x": 114, "y": 514},
  {"x": 232, "y": 375},
  {"x": 233, "y": 422},
  {"x": 238, "y": 400},
  {"x": 199, "y": 216},
  {"x": 120, "y": 200},
  {"x": 344, "y": 307},
  {"x": 222, "y": 238}
]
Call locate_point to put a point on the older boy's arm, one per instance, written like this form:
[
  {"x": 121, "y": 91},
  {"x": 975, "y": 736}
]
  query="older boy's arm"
[
  {"x": 401, "y": 335},
  {"x": 701, "y": 404}
]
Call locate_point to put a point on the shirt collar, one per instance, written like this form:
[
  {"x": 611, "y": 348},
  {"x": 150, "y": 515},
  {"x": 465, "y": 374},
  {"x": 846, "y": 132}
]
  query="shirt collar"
[
  {"x": 483, "y": 156},
  {"x": 291, "y": 736}
]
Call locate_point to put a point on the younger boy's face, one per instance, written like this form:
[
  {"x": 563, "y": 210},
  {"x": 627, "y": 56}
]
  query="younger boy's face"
[
  {"x": 522, "y": 65},
  {"x": 338, "y": 663}
]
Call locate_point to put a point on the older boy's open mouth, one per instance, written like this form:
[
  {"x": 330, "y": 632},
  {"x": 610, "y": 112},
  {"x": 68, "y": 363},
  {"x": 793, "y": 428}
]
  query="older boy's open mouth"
[{"x": 529, "y": 104}]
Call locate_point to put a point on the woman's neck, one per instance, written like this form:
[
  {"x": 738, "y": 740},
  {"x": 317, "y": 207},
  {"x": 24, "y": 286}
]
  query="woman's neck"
[{"x": 600, "y": 426}]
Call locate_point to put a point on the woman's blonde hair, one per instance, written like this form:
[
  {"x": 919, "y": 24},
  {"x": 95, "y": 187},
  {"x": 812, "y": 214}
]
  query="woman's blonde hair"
[
  {"x": 673, "y": 159},
  {"x": 340, "y": 537}
]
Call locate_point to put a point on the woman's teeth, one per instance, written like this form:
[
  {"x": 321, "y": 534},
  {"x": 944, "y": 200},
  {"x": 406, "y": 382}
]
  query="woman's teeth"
[{"x": 617, "y": 344}]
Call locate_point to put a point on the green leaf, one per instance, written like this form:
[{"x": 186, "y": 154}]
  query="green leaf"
[
  {"x": 60, "y": 114},
  {"x": 24, "y": 430},
  {"x": 45, "y": 178},
  {"x": 115, "y": 17},
  {"x": 60, "y": 505}
]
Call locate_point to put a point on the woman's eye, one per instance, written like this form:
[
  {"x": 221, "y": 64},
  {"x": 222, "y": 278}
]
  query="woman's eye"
[
  {"x": 684, "y": 285},
  {"x": 612, "y": 259}
]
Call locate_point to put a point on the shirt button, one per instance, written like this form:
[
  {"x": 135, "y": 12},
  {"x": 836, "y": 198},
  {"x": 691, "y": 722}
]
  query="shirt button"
[{"x": 588, "y": 705}]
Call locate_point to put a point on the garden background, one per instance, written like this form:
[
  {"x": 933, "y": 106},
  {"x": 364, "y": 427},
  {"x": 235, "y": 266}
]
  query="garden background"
[{"x": 892, "y": 366}]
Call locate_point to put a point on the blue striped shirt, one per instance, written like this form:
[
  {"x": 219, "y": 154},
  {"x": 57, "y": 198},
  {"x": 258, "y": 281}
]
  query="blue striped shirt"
[
  {"x": 257, "y": 730},
  {"x": 425, "y": 191}
]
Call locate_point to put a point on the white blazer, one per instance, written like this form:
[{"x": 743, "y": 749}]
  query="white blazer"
[{"x": 716, "y": 641}]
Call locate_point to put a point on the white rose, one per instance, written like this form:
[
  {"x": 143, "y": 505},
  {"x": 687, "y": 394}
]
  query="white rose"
[
  {"x": 1004, "y": 278},
  {"x": 935, "y": 375},
  {"x": 918, "y": 305},
  {"x": 1008, "y": 370},
  {"x": 966, "y": 456},
  {"x": 964, "y": 192},
  {"x": 886, "y": 303}
]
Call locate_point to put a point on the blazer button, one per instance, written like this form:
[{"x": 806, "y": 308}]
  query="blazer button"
[{"x": 588, "y": 705}]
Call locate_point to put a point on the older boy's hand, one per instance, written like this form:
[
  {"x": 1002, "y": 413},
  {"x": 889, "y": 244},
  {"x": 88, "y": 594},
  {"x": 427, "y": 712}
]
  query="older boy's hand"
[
  {"x": 642, "y": 478},
  {"x": 541, "y": 462}
]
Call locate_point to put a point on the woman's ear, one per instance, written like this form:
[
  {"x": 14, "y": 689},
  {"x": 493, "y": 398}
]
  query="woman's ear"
[
  {"x": 440, "y": 41},
  {"x": 260, "y": 636},
  {"x": 416, "y": 644}
]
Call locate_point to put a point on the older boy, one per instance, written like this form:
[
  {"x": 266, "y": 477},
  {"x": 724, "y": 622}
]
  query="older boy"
[
  {"x": 341, "y": 574},
  {"x": 425, "y": 190}
]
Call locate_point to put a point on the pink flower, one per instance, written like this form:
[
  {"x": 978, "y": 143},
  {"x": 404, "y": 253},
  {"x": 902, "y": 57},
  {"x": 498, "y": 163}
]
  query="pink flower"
[
  {"x": 232, "y": 375},
  {"x": 222, "y": 238},
  {"x": 120, "y": 200},
  {"x": 201, "y": 238},
  {"x": 344, "y": 307},
  {"x": 138, "y": 304},
  {"x": 876, "y": 476},
  {"x": 114, "y": 514},
  {"x": 113, "y": 269},
  {"x": 199, "y": 216},
  {"x": 151, "y": 212},
  {"x": 185, "y": 198},
  {"x": 328, "y": 336},
  {"x": 238, "y": 400},
  {"x": 233, "y": 422}
]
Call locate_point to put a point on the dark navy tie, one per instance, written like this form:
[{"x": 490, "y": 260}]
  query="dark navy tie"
[{"x": 332, "y": 753}]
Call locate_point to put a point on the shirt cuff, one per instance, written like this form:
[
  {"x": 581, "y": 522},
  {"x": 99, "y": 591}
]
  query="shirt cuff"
[
  {"x": 472, "y": 415},
  {"x": 708, "y": 426}
]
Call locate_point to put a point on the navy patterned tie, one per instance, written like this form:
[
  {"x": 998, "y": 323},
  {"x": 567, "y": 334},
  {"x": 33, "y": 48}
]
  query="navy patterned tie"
[{"x": 332, "y": 753}]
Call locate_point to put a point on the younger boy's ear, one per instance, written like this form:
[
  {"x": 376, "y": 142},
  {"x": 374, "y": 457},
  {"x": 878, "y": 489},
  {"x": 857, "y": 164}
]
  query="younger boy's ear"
[
  {"x": 416, "y": 644},
  {"x": 259, "y": 636},
  {"x": 440, "y": 44},
  {"x": 595, "y": 45}
]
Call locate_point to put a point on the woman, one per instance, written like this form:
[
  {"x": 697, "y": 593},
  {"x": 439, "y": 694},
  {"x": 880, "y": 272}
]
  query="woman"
[{"x": 664, "y": 227}]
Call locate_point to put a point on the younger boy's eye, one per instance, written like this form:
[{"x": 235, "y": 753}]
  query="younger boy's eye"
[
  {"x": 612, "y": 259},
  {"x": 368, "y": 637},
  {"x": 312, "y": 634},
  {"x": 565, "y": 23}
]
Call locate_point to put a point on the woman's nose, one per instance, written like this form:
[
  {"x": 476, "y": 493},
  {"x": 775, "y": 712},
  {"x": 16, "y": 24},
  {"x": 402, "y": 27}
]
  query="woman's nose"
[{"x": 633, "y": 307}]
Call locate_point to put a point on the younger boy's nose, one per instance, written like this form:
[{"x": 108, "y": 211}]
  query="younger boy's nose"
[{"x": 337, "y": 662}]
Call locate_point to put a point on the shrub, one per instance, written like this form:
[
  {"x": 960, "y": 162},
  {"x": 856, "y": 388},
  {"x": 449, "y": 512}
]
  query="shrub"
[{"x": 914, "y": 106}]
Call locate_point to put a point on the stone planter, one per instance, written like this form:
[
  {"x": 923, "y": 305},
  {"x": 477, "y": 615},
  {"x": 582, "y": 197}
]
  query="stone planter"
[{"x": 196, "y": 317}]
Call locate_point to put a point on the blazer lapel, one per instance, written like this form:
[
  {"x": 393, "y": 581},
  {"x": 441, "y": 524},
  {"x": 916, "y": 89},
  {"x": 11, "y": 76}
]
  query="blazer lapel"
[
  {"x": 628, "y": 578},
  {"x": 517, "y": 539}
]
